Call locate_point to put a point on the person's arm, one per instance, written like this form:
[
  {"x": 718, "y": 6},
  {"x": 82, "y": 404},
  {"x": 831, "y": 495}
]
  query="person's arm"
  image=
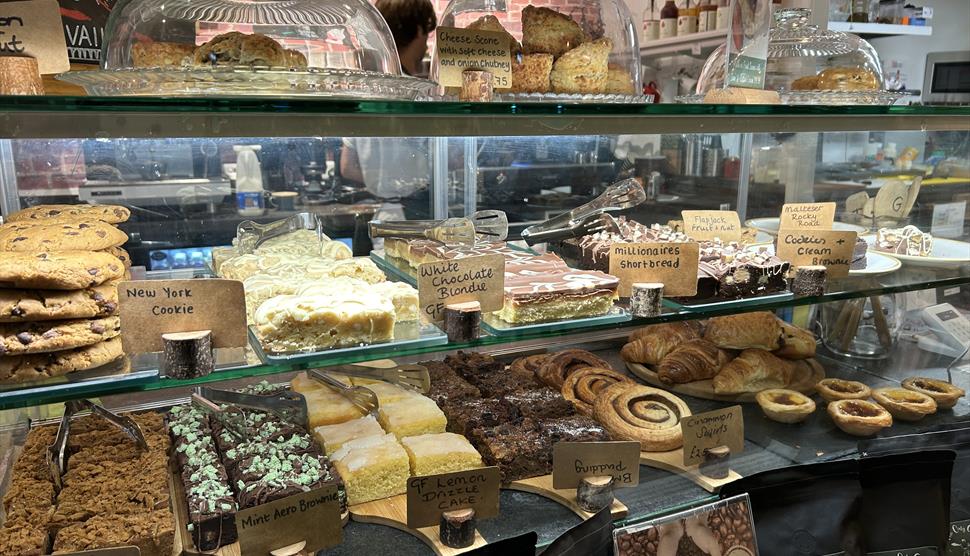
[{"x": 350, "y": 165}]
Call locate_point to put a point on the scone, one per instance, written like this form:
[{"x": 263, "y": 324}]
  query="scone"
[
  {"x": 112, "y": 214},
  {"x": 807, "y": 83},
  {"x": 491, "y": 23},
  {"x": 530, "y": 74},
  {"x": 847, "y": 79},
  {"x": 619, "y": 82},
  {"x": 48, "y": 305},
  {"x": 62, "y": 270},
  {"x": 23, "y": 368},
  {"x": 161, "y": 54},
  {"x": 294, "y": 59},
  {"x": 550, "y": 32},
  {"x": 62, "y": 235},
  {"x": 583, "y": 69},
  {"x": 239, "y": 49},
  {"x": 42, "y": 337}
]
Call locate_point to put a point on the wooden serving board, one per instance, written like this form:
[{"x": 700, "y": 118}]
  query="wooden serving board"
[
  {"x": 542, "y": 486},
  {"x": 673, "y": 461},
  {"x": 804, "y": 382},
  {"x": 393, "y": 512}
]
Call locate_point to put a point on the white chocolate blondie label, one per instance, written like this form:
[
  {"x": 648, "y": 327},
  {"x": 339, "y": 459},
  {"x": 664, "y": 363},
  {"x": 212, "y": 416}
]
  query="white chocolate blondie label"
[
  {"x": 797, "y": 216},
  {"x": 706, "y": 225},
  {"x": 829, "y": 248},
  {"x": 431, "y": 495},
  {"x": 672, "y": 264},
  {"x": 150, "y": 308},
  {"x": 480, "y": 278},
  {"x": 572, "y": 461}
]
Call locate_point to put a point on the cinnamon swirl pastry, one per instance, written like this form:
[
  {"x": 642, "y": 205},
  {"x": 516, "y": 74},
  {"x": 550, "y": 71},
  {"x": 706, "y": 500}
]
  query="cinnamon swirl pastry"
[
  {"x": 641, "y": 413},
  {"x": 584, "y": 386},
  {"x": 944, "y": 393},
  {"x": 560, "y": 365},
  {"x": 528, "y": 365}
]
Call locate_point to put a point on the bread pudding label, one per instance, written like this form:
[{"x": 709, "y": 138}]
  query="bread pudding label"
[
  {"x": 150, "y": 308},
  {"x": 480, "y": 279},
  {"x": 430, "y": 495},
  {"x": 312, "y": 517},
  {"x": 724, "y": 427},
  {"x": 571, "y": 461},
  {"x": 798, "y": 216},
  {"x": 473, "y": 49},
  {"x": 829, "y": 248},
  {"x": 34, "y": 29},
  {"x": 706, "y": 225},
  {"x": 672, "y": 264}
]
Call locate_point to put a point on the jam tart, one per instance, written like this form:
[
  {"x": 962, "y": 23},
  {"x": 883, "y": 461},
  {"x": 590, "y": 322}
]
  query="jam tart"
[
  {"x": 835, "y": 389},
  {"x": 944, "y": 393},
  {"x": 785, "y": 406},
  {"x": 859, "y": 417},
  {"x": 903, "y": 404}
]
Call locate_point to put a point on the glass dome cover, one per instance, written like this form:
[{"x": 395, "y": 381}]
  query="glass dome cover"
[
  {"x": 340, "y": 47},
  {"x": 586, "y": 51},
  {"x": 807, "y": 64}
]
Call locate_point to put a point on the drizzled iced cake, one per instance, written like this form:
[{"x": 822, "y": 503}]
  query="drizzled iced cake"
[
  {"x": 905, "y": 241},
  {"x": 544, "y": 288}
]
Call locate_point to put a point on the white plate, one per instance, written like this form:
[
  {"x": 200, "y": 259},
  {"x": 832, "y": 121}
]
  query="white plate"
[
  {"x": 770, "y": 226},
  {"x": 946, "y": 253},
  {"x": 876, "y": 263}
]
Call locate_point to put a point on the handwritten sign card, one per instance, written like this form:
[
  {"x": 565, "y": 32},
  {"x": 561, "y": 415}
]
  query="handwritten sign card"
[
  {"x": 431, "y": 495},
  {"x": 723, "y": 427},
  {"x": 313, "y": 517},
  {"x": 672, "y": 264},
  {"x": 571, "y": 461},
  {"x": 828, "y": 248},
  {"x": 33, "y": 28},
  {"x": 480, "y": 278},
  {"x": 150, "y": 308},
  {"x": 797, "y": 216},
  {"x": 705, "y": 225},
  {"x": 473, "y": 49}
]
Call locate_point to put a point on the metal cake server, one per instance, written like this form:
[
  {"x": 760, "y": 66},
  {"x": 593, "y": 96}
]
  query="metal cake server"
[
  {"x": 358, "y": 395},
  {"x": 588, "y": 226},
  {"x": 490, "y": 225},
  {"x": 621, "y": 195},
  {"x": 251, "y": 234},
  {"x": 229, "y": 416},
  {"x": 453, "y": 231},
  {"x": 412, "y": 376},
  {"x": 287, "y": 405}
]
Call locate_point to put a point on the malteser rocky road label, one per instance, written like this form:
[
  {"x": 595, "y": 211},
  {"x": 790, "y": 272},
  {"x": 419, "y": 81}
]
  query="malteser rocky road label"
[
  {"x": 672, "y": 264},
  {"x": 796, "y": 216}
]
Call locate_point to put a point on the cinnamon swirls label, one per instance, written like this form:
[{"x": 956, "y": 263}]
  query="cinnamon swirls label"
[{"x": 724, "y": 427}]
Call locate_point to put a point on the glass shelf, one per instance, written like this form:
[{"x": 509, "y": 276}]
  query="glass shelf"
[
  {"x": 903, "y": 280},
  {"x": 134, "y": 117}
]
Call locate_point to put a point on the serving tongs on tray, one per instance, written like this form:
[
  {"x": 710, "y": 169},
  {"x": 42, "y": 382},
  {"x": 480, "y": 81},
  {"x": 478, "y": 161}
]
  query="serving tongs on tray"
[
  {"x": 621, "y": 195},
  {"x": 287, "y": 405},
  {"x": 415, "y": 377},
  {"x": 250, "y": 235},
  {"x": 57, "y": 452},
  {"x": 486, "y": 225},
  {"x": 358, "y": 395}
]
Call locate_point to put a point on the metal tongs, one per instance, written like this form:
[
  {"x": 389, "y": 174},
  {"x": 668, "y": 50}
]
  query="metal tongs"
[
  {"x": 288, "y": 406},
  {"x": 251, "y": 235},
  {"x": 57, "y": 452},
  {"x": 486, "y": 225},
  {"x": 358, "y": 395},
  {"x": 621, "y": 195},
  {"x": 415, "y": 377}
]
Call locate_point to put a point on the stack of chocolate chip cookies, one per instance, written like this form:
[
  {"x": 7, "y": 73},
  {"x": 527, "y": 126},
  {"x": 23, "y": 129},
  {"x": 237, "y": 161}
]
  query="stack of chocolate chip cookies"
[{"x": 59, "y": 270}]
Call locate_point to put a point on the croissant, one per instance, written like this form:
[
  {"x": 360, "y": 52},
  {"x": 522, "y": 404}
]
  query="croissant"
[
  {"x": 753, "y": 371},
  {"x": 691, "y": 328},
  {"x": 695, "y": 360},
  {"x": 652, "y": 346},
  {"x": 796, "y": 343},
  {"x": 760, "y": 330}
]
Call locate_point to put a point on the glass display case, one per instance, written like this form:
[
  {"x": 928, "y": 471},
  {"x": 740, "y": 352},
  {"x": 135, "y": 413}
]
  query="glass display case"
[{"x": 898, "y": 178}]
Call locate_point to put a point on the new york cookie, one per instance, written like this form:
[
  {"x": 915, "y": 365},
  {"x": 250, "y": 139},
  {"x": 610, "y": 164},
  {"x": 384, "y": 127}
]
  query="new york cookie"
[
  {"x": 112, "y": 214},
  {"x": 24, "y": 368},
  {"x": 80, "y": 235},
  {"x": 63, "y": 270},
  {"x": 43, "y": 305},
  {"x": 42, "y": 337}
]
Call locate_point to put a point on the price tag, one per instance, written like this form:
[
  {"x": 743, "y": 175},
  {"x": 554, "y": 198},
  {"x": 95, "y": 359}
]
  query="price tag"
[
  {"x": 150, "y": 308},
  {"x": 672, "y": 264},
  {"x": 480, "y": 278},
  {"x": 948, "y": 219},
  {"x": 705, "y": 225},
  {"x": 473, "y": 49},
  {"x": 724, "y": 427},
  {"x": 430, "y": 495},
  {"x": 34, "y": 29},
  {"x": 312, "y": 516},
  {"x": 798, "y": 216},
  {"x": 571, "y": 461},
  {"x": 829, "y": 248}
]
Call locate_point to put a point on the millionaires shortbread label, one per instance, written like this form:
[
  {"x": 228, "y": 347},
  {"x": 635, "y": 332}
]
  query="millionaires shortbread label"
[{"x": 672, "y": 264}]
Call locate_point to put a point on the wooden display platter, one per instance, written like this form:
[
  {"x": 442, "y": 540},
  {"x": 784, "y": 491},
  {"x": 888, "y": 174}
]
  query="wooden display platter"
[
  {"x": 704, "y": 389},
  {"x": 392, "y": 512},
  {"x": 673, "y": 461}
]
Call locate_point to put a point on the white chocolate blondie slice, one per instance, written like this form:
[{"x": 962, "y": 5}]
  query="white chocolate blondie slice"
[
  {"x": 431, "y": 454},
  {"x": 295, "y": 322}
]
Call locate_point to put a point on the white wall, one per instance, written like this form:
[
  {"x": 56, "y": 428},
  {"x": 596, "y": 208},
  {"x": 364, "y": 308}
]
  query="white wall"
[{"x": 951, "y": 19}]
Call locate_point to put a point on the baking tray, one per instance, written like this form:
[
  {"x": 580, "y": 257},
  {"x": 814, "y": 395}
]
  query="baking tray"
[
  {"x": 709, "y": 304},
  {"x": 407, "y": 335},
  {"x": 498, "y": 327}
]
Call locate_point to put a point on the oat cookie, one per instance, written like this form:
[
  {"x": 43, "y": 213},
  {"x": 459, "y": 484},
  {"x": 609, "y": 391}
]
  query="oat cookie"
[
  {"x": 43, "y": 305},
  {"x": 112, "y": 214},
  {"x": 25, "y": 368},
  {"x": 63, "y": 270},
  {"x": 42, "y": 337},
  {"x": 61, "y": 235}
]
